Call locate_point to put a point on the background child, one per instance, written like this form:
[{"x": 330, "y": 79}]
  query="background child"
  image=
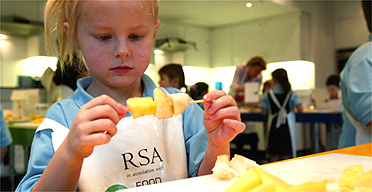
[
  {"x": 198, "y": 90},
  {"x": 172, "y": 75},
  {"x": 89, "y": 140},
  {"x": 333, "y": 87},
  {"x": 279, "y": 103}
]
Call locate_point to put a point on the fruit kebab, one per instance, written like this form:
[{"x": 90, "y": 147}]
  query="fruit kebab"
[{"x": 163, "y": 105}]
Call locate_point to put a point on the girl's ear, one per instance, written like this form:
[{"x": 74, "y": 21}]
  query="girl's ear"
[
  {"x": 156, "y": 28},
  {"x": 73, "y": 40}
]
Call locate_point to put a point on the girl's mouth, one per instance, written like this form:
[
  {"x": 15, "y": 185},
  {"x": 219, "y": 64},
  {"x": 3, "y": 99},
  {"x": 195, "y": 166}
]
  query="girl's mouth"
[{"x": 121, "y": 69}]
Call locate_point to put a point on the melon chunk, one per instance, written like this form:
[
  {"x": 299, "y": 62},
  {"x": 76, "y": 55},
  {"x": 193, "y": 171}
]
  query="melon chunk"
[{"x": 180, "y": 102}]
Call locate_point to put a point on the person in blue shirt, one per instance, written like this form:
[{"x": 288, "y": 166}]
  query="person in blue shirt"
[
  {"x": 5, "y": 137},
  {"x": 356, "y": 87},
  {"x": 172, "y": 75},
  {"x": 279, "y": 104},
  {"x": 198, "y": 90},
  {"x": 89, "y": 141}
]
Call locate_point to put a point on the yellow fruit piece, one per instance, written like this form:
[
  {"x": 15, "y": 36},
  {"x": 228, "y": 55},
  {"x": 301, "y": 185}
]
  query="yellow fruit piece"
[
  {"x": 310, "y": 186},
  {"x": 164, "y": 107},
  {"x": 349, "y": 174},
  {"x": 249, "y": 180},
  {"x": 222, "y": 168},
  {"x": 241, "y": 164},
  {"x": 269, "y": 179},
  {"x": 140, "y": 106},
  {"x": 363, "y": 181},
  {"x": 264, "y": 188},
  {"x": 180, "y": 102}
]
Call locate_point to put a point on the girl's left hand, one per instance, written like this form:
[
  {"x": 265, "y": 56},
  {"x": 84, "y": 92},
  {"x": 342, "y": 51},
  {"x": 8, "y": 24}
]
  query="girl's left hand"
[{"x": 221, "y": 118}]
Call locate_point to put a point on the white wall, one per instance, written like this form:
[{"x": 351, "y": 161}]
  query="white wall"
[
  {"x": 275, "y": 39},
  {"x": 200, "y": 35},
  {"x": 350, "y": 26},
  {"x": 333, "y": 25},
  {"x": 12, "y": 51}
]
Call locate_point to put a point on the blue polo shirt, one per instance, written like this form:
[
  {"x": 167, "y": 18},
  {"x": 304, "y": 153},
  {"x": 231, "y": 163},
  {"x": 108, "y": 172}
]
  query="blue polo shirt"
[
  {"x": 65, "y": 111},
  {"x": 356, "y": 87}
]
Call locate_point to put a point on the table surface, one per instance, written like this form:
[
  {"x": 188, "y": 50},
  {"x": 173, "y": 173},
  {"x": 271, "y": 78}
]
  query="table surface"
[
  {"x": 306, "y": 117},
  {"x": 322, "y": 166}
]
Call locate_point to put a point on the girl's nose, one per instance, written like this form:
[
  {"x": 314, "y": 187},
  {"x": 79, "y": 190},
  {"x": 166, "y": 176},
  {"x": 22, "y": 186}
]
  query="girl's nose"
[{"x": 122, "y": 49}]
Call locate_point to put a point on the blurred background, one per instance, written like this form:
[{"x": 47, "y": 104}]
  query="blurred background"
[{"x": 209, "y": 38}]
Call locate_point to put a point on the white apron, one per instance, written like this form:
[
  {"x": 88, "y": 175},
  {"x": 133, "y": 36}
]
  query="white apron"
[
  {"x": 144, "y": 151},
  {"x": 283, "y": 117},
  {"x": 363, "y": 132}
]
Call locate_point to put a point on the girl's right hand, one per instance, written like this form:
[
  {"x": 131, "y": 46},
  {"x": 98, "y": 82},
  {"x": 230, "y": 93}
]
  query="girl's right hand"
[{"x": 94, "y": 124}]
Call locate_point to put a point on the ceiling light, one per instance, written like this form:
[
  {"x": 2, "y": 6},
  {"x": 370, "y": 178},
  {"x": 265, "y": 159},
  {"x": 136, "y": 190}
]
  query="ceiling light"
[
  {"x": 158, "y": 52},
  {"x": 2, "y": 36},
  {"x": 248, "y": 5}
]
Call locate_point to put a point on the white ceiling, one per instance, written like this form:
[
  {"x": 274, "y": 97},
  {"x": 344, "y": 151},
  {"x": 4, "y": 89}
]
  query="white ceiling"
[
  {"x": 206, "y": 13},
  {"x": 215, "y": 13}
]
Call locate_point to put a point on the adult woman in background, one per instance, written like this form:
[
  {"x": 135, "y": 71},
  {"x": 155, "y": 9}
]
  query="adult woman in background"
[{"x": 249, "y": 72}]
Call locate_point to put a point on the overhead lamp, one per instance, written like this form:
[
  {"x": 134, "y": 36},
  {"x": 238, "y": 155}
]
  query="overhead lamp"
[
  {"x": 158, "y": 52},
  {"x": 249, "y": 4},
  {"x": 2, "y": 36}
]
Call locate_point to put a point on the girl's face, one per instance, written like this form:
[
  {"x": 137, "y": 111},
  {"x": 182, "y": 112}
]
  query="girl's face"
[{"x": 115, "y": 38}]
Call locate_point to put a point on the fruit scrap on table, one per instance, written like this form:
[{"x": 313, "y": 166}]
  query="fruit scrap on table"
[
  {"x": 226, "y": 169},
  {"x": 253, "y": 178}
]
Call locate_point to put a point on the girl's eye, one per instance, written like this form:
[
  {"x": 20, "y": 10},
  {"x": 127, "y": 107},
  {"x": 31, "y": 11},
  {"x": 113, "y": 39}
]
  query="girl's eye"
[
  {"x": 135, "y": 37},
  {"x": 104, "y": 37}
]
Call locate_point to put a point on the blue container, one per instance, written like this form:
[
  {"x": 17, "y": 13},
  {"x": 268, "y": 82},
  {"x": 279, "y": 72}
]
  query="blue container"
[{"x": 218, "y": 85}]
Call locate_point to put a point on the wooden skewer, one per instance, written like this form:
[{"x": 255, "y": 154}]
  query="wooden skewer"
[{"x": 197, "y": 101}]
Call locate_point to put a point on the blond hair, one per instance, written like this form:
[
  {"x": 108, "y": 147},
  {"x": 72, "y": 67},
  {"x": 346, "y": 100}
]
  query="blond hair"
[{"x": 57, "y": 12}]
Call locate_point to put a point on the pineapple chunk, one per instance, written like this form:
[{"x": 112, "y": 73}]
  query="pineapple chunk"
[
  {"x": 164, "y": 107},
  {"x": 349, "y": 174},
  {"x": 362, "y": 182},
  {"x": 264, "y": 188},
  {"x": 140, "y": 106},
  {"x": 268, "y": 178},
  {"x": 180, "y": 102},
  {"x": 310, "y": 186},
  {"x": 248, "y": 181}
]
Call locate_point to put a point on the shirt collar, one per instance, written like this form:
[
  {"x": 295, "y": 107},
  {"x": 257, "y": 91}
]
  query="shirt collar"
[{"x": 370, "y": 37}]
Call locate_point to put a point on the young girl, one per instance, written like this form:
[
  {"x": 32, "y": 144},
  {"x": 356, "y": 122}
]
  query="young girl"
[
  {"x": 279, "y": 104},
  {"x": 89, "y": 140}
]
